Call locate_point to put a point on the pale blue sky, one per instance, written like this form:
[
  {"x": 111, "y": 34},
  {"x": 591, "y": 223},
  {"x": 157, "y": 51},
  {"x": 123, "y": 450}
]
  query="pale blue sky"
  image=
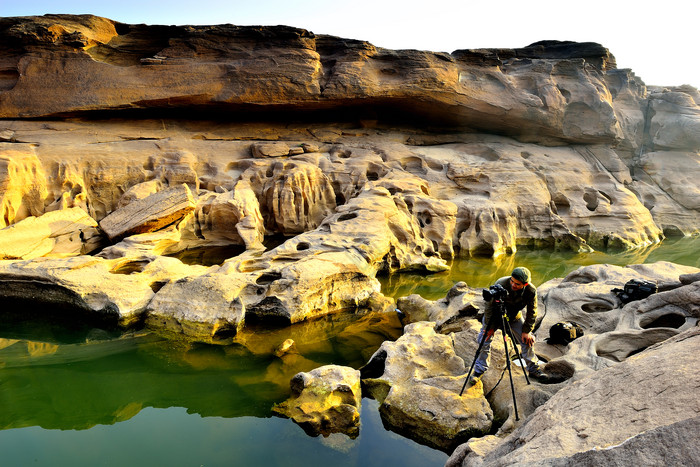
[{"x": 656, "y": 40}]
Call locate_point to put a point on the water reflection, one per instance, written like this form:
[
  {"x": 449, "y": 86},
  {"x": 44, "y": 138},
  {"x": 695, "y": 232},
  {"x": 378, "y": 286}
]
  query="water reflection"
[{"x": 77, "y": 385}]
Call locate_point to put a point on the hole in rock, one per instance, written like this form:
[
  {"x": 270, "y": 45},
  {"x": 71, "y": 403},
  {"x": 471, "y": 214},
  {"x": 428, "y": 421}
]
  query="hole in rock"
[
  {"x": 130, "y": 267},
  {"x": 347, "y": 217},
  {"x": 226, "y": 331},
  {"x": 635, "y": 352},
  {"x": 558, "y": 371},
  {"x": 273, "y": 241},
  {"x": 591, "y": 200},
  {"x": 208, "y": 256},
  {"x": 301, "y": 246},
  {"x": 372, "y": 176},
  {"x": 157, "y": 285},
  {"x": 375, "y": 367},
  {"x": 414, "y": 165},
  {"x": 268, "y": 278},
  {"x": 617, "y": 346},
  {"x": 565, "y": 94},
  {"x": 561, "y": 205},
  {"x": 270, "y": 311},
  {"x": 580, "y": 278},
  {"x": 606, "y": 196},
  {"x": 435, "y": 165},
  {"x": 671, "y": 320},
  {"x": 596, "y": 307}
]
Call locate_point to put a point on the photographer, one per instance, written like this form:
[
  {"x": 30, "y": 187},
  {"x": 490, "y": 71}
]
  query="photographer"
[{"x": 515, "y": 293}]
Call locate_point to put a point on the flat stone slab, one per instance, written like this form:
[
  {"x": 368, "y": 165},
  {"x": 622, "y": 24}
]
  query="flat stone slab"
[{"x": 149, "y": 214}]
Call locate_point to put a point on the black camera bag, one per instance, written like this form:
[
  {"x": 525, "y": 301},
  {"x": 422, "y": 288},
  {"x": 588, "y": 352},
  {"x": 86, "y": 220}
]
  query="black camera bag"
[
  {"x": 636, "y": 290},
  {"x": 564, "y": 332}
]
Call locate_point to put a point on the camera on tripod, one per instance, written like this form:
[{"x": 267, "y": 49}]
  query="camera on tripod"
[{"x": 496, "y": 292}]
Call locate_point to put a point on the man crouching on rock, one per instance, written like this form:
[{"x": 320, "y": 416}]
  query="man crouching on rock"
[{"x": 520, "y": 294}]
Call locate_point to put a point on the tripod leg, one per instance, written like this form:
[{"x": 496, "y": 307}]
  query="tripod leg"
[
  {"x": 517, "y": 350},
  {"x": 478, "y": 351},
  {"x": 510, "y": 373}
]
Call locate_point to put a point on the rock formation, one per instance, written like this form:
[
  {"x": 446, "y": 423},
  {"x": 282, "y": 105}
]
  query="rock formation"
[
  {"x": 561, "y": 421},
  {"x": 325, "y": 400},
  {"x": 327, "y": 161},
  {"x": 366, "y": 160},
  {"x": 649, "y": 416},
  {"x": 417, "y": 381}
]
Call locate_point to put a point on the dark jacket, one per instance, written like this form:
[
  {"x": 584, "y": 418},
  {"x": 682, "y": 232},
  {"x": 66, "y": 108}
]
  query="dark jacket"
[{"x": 516, "y": 301}]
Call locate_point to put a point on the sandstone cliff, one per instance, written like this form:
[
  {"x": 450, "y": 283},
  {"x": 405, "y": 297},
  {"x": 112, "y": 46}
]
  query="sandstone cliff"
[{"x": 366, "y": 160}]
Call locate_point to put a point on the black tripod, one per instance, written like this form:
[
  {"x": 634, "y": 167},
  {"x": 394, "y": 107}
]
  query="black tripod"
[{"x": 499, "y": 313}]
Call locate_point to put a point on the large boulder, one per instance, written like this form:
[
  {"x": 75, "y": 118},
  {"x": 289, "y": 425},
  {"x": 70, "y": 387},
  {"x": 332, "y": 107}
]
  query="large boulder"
[
  {"x": 325, "y": 400},
  {"x": 114, "y": 291},
  {"x": 417, "y": 381},
  {"x": 68, "y": 232}
]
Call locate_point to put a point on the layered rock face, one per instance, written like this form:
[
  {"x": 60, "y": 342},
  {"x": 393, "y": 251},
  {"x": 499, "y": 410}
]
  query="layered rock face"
[{"x": 363, "y": 159}]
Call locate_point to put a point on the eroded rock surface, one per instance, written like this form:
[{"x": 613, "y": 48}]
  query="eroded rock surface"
[
  {"x": 417, "y": 381},
  {"x": 620, "y": 340},
  {"x": 149, "y": 214},
  {"x": 64, "y": 233},
  {"x": 325, "y": 400},
  {"x": 648, "y": 415},
  {"x": 371, "y": 160},
  {"x": 326, "y": 161}
]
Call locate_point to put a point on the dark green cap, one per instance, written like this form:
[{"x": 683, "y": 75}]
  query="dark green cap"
[{"x": 521, "y": 274}]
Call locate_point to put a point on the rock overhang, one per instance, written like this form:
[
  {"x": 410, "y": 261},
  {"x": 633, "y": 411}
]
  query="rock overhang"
[{"x": 274, "y": 72}]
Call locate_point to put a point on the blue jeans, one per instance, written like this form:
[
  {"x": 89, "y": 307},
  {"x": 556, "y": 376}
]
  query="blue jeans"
[{"x": 527, "y": 352}]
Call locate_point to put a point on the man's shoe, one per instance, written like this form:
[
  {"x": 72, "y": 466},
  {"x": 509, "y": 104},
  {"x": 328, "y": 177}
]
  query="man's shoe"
[
  {"x": 474, "y": 378},
  {"x": 536, "y": 374}
]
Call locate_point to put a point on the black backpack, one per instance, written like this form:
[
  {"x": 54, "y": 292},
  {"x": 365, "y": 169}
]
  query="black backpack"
[
  {"x": 564, "y": 332},
  {"x": 636, "y": 290}
]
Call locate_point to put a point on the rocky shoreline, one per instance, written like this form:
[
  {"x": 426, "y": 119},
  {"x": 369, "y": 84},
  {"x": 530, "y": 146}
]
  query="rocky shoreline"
[{"x": 158, "y": 140}]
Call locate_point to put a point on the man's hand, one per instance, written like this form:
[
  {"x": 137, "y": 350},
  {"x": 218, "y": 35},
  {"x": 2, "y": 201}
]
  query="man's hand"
[{"x": 528, "y": 339}]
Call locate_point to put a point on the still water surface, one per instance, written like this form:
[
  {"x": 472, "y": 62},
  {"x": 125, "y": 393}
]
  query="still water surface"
[{"x": 82, "y": 396}]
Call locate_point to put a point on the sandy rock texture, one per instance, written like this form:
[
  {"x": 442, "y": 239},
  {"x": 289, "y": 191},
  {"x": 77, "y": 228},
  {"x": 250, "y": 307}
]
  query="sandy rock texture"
[
  {"x": 632, "y": 359},
  {"x": 417, "y": 381},
  {"x": 649, "y": 416},
  {"x": 325, "y": 400},
  {"x": 64, "y": 233},
  {"x": 324, "y": 161}
]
